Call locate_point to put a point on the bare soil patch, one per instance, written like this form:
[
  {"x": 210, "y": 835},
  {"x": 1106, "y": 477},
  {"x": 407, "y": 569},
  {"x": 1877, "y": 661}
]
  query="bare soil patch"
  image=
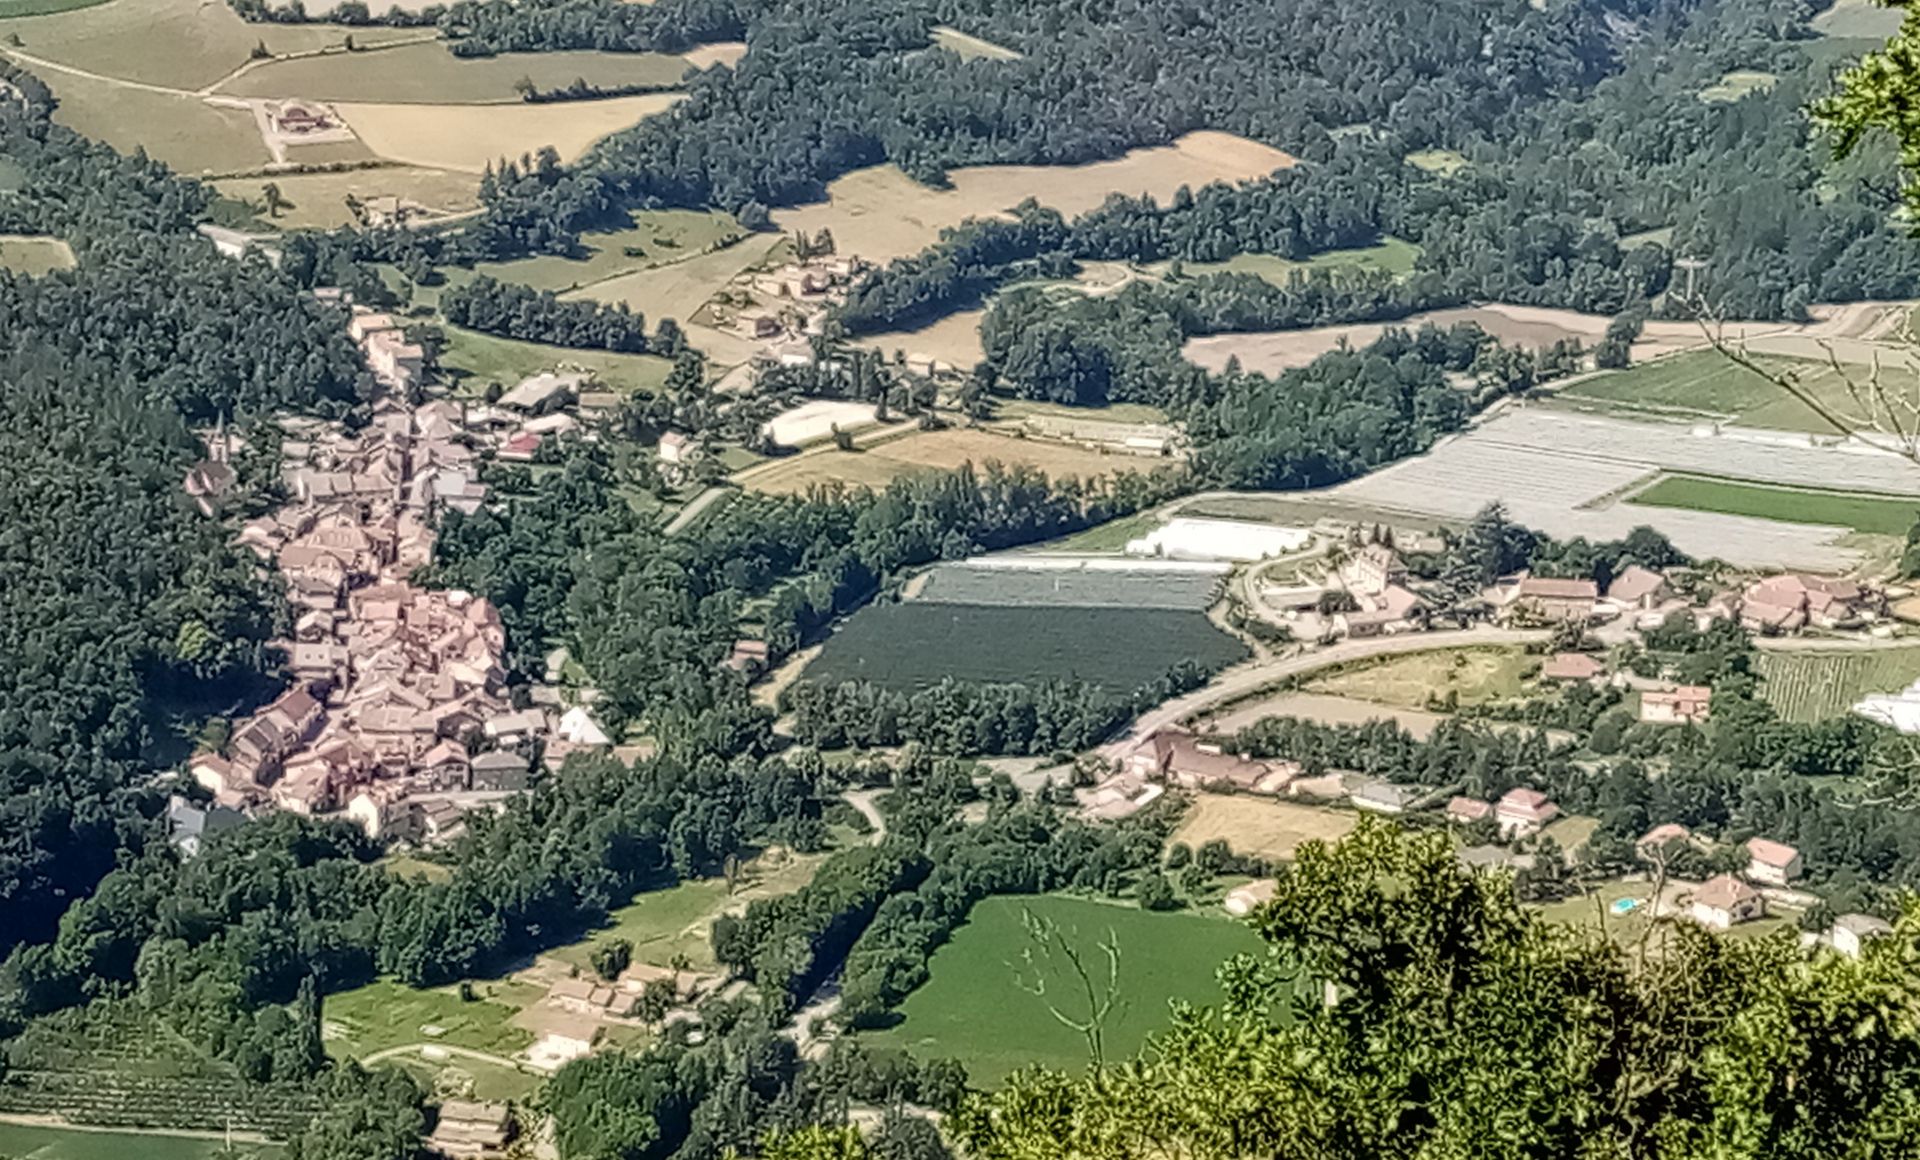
[
  {"x": 467, "y": 137},
  {"x": 882, "y": 214}
]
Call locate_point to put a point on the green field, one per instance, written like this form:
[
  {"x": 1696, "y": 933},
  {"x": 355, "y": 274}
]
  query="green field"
[
  {"x": 475, "y": 359},
  {"x": 1391, "y": 255},
  {"x": 1878, "y": 515},
  {"x": 385, "y": 1014},
  {"x": 1112, "y": 536},
  {"x": 658, "y": 236},
  {"x": 428, "y": 73},
  {"x": 916, "y": 644},
  {"x": 973, "y": 1007},
  {"x": 1706, "y": 383},
  {"x": 1812, "y": 686},
  {"x": 20, "y": 1142}
]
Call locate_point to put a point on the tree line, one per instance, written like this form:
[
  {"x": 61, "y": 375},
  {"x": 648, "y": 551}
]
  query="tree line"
[{"x": 520, "y": 312}]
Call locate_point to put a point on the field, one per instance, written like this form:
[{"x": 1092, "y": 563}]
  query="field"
[
  {"x": 1858, "y": 20},
  {"x": 1444, "y": 162},
  {"x": 179, "y": 44},
  {"x": 34, "y": 256},
  {"x": 937, "y": 450},
  {"x": 428, "y": 73},
  {"x": 1328, "y": 710},
  {"x": 917, "y": 644},
  {"x": 1256, "y": 826},
  {"x": 881, "y": 213},
  {"x": 678, "y": 289},
  {"x": 1271, "y": 352},
  {"x": 1876, "y": 515},
  {"x": 679, "y": 920},
  {"x": 1112, "y": 536},
  {"x": 384, "y": 1015},
  {"x": 678, "y": 236},
  {"x": 705, "y": 56},
  {"x": 319, "y": 200},
  {"x": 1812, "y": 686},
  {"x": 1476, "y": 675},
  {"x": 971, "y": 47},
  {"x": 1706, "y": 383},
  {"x": 1737, "y": 84},
  {"x": 1391, "y": 255},
  {"x": 954, "y": 339},
  {"x": 475, "y": 359},
  {"x": 468, "y": 137},
  {"x": 1052, "y": 586},
  {"x": 21, "y": 1142},
  {"x": 974, "y": 1007},
  {"x": 183, "y": 131}
]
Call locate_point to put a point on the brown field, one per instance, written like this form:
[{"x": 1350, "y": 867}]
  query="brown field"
[
  {"x": 1266, "y": 829},
  {"x": 429, "y": 74},
  {"x": 971, "y": 47},
  {"x": 934, "y": 450},
  {"x": 34, "y": 256},
  {"x": 1271, "y": 352},
  {"x": 467, "y": 137},
  {"x": 185, "y": 132},
  {"x": 882, "y": 214},
  {"x": 182, "y": 44},
  {"x": 954, "y": 339},
  {"x": 677, "y": 289},
  {"x": 319, "y": 199},
  {"x": 727, "y": 52},
  {"x": 1477, "y": 675}
]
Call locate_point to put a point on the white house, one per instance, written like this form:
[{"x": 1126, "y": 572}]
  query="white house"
[
  {"x": 1852, "y": 932},
  {"x": 1772, "y": 863},
  {"x": 1523, "y": 812},
  {"x": 1725, "y": 901}
]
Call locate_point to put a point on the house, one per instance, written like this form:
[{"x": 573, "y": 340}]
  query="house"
[
  {"x": 1568, "y": 666},
  {"x": 1181, "y": 758},
  {"x": 1384, "y": 797},
  {"x": 1376, "y": 568},
  {"x": 580, "y": 729},
  {"x": 519, "y": 448},
  {"x": 1637, "y": 589},
  {"x": 525, "y": 722},
  {"x": 676, "y": 448},
  {"x": 1542, "y": 599},
  {"x": 1244, "y": 900},
  {"x": 393, "y": 360},
  {"x": 1392, "y": 610},
  {"x": 1725, "y": 901},
  {"x": 1792, "y": 601},
  {"x": 464, "y": 1129},
  {"x": 758, "y": 324},
  {"x": 542, "y": 391},
  {"x": 1654, "y": 844},
  {"x": 1466, "y": 810},
  {"x": 363, "y": 326},
  {"x": 1852, "y": 932},
  {"x": 189, "y": 825},
  {"x": 500, "y": 771},
  {"x": 1772, "y": 863},
  {"x": 383, "y": 813},
  {"x": 1688, "y": 703},
  {"x": 1522, "y": 812},
  {"x": 748, "y": 656}
]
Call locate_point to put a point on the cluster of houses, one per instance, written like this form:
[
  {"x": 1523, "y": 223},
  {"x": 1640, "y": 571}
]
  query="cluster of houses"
[
  {"x": 1771, "y": 605},
  {"x": 791, "y": 301},
  {"x": 398, "y": 713}
]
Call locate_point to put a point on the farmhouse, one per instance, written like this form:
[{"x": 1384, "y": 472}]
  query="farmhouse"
[
  {"x": 1572, "y": 667},
  {"x": 1637, "y": 589},
  {"x": 1384, "y": 797},
  {"x": 1541, "y": 599},
  {"x": 1522, "y": 812},
  {"x": 1790, "y": 602},
  {"x": 464, "y": 1129},
  {"x": 1177, "y": 756},
  {"x": 1688, "y": 703},
  {"x": 1725, "y": 901},
  {"x": 1772, "y": 863},
  {"x": 1852, "y": 932}
]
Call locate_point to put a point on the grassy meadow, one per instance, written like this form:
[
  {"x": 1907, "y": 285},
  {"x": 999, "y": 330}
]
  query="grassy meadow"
[
  {"x": 473, "y": 360},
  {"x": 1392, "y": 255},
  {"x": 1876, "y": 515},
  {"x": 1705, "y": 383},
  {"x": 34, "y": 256},
  {"x": 1260, "y": 827},
  {"x": 385, "y": 1014},
  {"x": 1476, "y": 675},
  {"x": 942, "y": 450},
  {"x": 427, "y": 73},
  {"x": 978, "y": 1006}
]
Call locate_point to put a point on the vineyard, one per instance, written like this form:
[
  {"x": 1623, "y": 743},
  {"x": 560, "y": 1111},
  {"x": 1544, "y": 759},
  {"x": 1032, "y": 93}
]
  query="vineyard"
[{"x": 1810, "y": 686}]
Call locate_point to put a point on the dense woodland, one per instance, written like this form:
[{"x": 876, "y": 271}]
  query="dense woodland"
[{"x": 520, "y": 312}]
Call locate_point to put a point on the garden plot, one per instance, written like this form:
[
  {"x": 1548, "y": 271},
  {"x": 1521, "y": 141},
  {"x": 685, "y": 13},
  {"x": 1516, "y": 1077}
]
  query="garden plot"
[{"x": 1564, "y": 474}]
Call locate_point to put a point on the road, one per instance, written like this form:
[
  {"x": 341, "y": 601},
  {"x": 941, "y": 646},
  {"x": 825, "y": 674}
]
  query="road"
[
  {"x": 1247, "y": 679},
  {"x": 691, "y": 512},
  {"x": 862, "y": 800}
]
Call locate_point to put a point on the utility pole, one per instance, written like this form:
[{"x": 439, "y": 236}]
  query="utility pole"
[{"x": 1692, "y": 266}]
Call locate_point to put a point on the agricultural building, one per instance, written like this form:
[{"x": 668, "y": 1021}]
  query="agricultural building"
[
  {"x": 1793, "y": 601},
  {"x": 1384, "y": 797},
  {"x": 1772, "y": 863},
  {"x": 1686, "y": 704},
  {"x": 1522, "y": 812},
  {"x": 1725, "y": 902},
  {"x": 1544, "y": 599},
  {"x": 542, "y": 391},
  {"x": 1241, "y": 541},
  {"x": 1244, "y": 900},
  {"x": 1572, "y": 667},
  {"x": 1179, "y": 757}
]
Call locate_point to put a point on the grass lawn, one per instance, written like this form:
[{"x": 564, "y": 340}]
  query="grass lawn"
[
  {"x": 476, "y": 359},
  {"x": 974, "y": 1007},
  {"x": 1257, "y": 826},
  {"x": 37, "y": 1143},
  {"x": 428, "y": 73},
  {"x": 470, "y": 1078},
  {"x": 1812, "y": 686},
  {"x": 1391, "y": 254},
  {"x": 679, "y": 920},
  {"x": 1478, "y": 675},
  {"x": 386, "y": 1014},
  {"x": 407, "y": 866},
  {"x": 34, "y": 256},
  {"x": 659, "y": 236},
  {"x": 1112, "y": 536},
  {"x": 1878, "y": 515},
  {"x": 1706, "y": 383}
]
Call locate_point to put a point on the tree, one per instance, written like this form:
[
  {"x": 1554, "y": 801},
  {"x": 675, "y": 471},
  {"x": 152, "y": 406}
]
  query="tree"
[
  {"x": 611, "y": 957},
  {"x": 275, "y": 202},
  {"x": 1154, "y": 892},
  {"x": 656, "y": 999}
]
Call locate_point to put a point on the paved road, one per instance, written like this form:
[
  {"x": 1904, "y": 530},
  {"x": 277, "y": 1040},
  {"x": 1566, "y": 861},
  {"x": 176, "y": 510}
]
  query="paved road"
[{"x": 1247, "y": 679}]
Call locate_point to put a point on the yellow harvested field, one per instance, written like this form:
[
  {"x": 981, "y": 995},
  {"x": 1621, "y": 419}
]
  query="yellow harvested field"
[
  {"x": 677, "y": 289},
  {"x": 427, "y": 73},
  {"x": 971, "y": 47},
  {"x": 1475, "y": 675},
  {"x": 881, "y": 214},
  {"x": 727, "y": 52},
  {"x": 1270, "y": 352},
  {"x": 1259, "y": 827},
  {"x": 954, "y": 339},
  {"x": 34, "y": 255},
  {"x": 187, "y": 133},
  {"x": 183, "y": 44},
  {"x": 468, "y": 137},
  {"x": 933, "y": 450},
  {"x": 319, "y": 200}
]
